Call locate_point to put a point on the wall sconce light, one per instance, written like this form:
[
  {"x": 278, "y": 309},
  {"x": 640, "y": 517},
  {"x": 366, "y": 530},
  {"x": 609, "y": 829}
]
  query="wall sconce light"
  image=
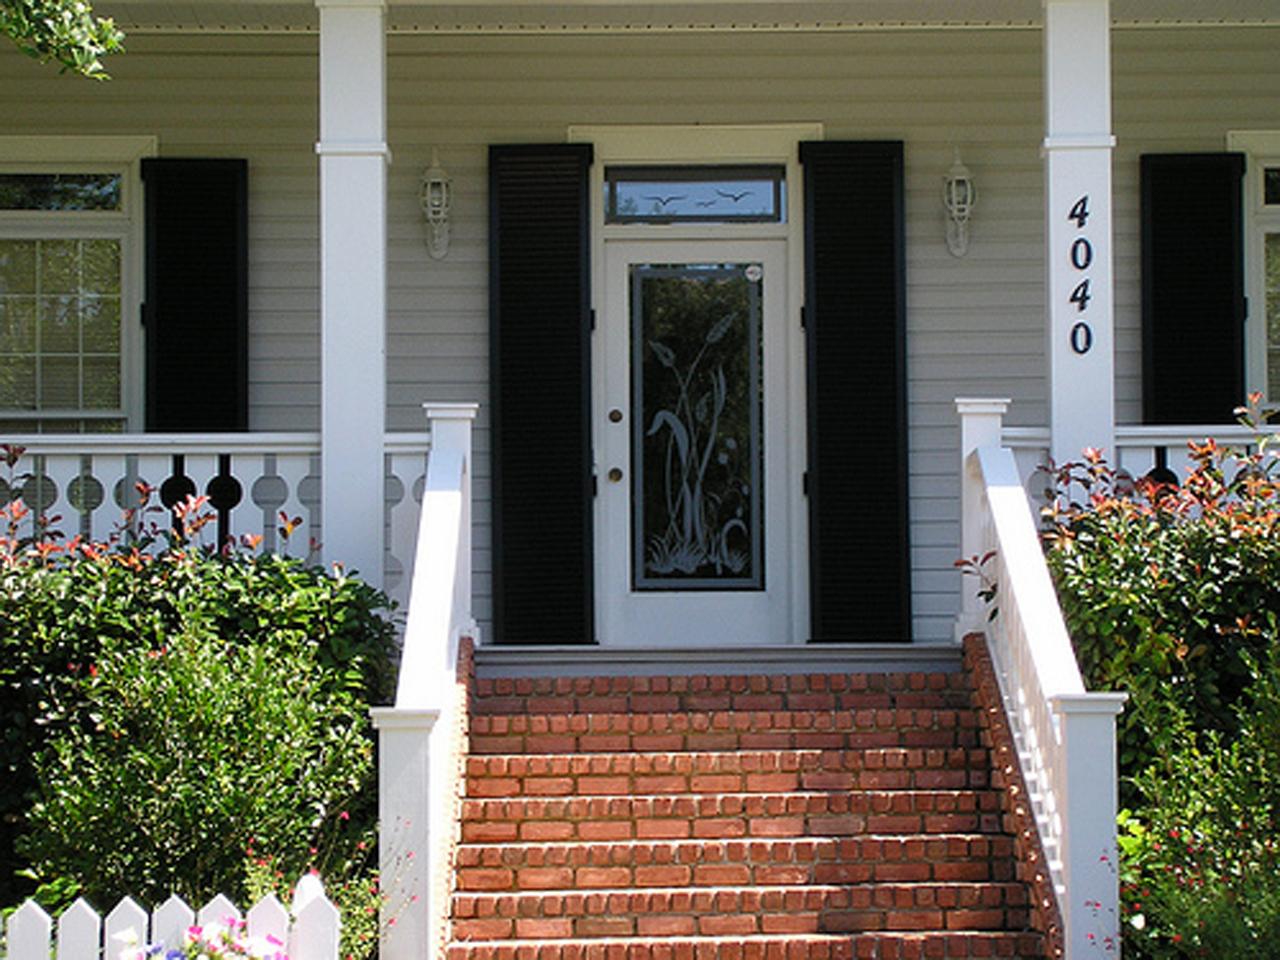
[
  {"x": 436, "y": 197},
  {"x": 960, "y": 196}
]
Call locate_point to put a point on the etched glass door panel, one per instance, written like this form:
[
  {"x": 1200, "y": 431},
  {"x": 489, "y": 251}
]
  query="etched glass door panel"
[
  {"x": 696, "y": 406},
  {"x": 695, "y": 448}
]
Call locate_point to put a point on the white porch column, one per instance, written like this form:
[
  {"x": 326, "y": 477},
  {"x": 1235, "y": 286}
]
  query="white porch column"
[
  {"x": 353, "y": 246},
  {"x": 1077, "y": 165}
]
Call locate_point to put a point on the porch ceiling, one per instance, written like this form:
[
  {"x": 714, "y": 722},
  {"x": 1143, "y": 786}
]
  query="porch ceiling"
[{"x": 574, "y": 16}]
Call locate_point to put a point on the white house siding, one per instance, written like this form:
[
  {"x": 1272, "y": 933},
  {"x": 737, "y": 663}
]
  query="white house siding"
[
  {"x": 974, "y": 324},
  {"x": 243, "y": 96}
]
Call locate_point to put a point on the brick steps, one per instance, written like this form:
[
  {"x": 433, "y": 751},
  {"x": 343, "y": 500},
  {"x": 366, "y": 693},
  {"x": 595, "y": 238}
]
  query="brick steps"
[
  {"x": 728, "y": 815},
  {"x": 889, "y": 768},
  {"x": 786, "y": 946},
  {"x": 723, "y": 730},
  {"x": 639, "y": 863},
  {"x": 746, "y": 910},
  {"x": 696, "y": 694},
  {"x": 734, "y": 818}
]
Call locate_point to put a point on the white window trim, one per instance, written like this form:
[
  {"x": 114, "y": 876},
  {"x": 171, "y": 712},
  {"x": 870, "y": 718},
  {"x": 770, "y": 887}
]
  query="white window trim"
[
  {"x": 1261, "y": 149},
  {"x": 93, "y": 154}
]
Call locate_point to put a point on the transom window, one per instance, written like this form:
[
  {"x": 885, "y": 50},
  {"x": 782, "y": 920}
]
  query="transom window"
[
  {"x": 61, "y": 191},
  {"x": 695, "y": 194},
  {"x": 1271, "y": 186}
]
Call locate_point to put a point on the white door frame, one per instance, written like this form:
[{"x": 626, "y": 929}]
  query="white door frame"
[{"x": 771, "y": 144}]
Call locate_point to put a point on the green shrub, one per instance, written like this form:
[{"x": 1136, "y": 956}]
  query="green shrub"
[
  {"x": 1172, "y": 594},
  {"x": 182, "y": 718},
  {"x": 1201, "y": 859},
  {"x": 1165, "y": 590}
]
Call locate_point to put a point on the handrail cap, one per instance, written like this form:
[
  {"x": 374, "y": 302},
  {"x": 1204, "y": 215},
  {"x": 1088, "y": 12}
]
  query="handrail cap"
[
  {"x": 399, "y": 718},
  {"x": 1098, "y": 702},
  {"x": 983, "y": 404},
  {"x": 440, "y": 410}
]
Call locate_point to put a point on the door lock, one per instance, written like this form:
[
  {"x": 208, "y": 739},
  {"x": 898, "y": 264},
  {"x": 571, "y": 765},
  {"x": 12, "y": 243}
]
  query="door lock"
[
  {"x": 615, "y": 415},
  {"x": 615, "y": 474}
]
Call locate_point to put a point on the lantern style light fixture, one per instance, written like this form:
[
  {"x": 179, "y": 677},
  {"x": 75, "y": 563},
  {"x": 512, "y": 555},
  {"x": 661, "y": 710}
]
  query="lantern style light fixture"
[
  {"x": 959, "y": 195},
  {"x": 436, "y": 197}
]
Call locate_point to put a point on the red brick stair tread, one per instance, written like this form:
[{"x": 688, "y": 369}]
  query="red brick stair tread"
[
  {"x": 727, "y": 816},
  {"x": 877, "y": 945},
  {"x": 728, "y": 772},
  {"x": 810, "y": 908}
]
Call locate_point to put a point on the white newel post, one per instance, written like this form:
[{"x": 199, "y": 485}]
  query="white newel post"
[
  {"x": 404, "y": 830},
  {"x": 353, "y": 240},
  {"x": 981, "y": 424},
  {"x": 1077, "y": 163},
  {"x": 1091, "y": 860}
]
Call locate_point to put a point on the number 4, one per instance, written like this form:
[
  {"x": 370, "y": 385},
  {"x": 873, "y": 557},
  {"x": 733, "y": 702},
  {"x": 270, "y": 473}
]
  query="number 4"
[
  {"x": 1080, "y": 212},
  {"x": 1080, "y": 295}
]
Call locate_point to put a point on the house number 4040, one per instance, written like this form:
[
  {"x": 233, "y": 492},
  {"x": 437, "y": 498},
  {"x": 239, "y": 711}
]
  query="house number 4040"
[{"x": 1081, "y": 255}]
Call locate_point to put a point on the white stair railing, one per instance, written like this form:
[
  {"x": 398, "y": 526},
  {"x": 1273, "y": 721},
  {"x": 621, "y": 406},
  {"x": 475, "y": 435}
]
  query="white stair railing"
[
  {"x": 1065, "y": 735},
  {"x": 416, "y": 734}
]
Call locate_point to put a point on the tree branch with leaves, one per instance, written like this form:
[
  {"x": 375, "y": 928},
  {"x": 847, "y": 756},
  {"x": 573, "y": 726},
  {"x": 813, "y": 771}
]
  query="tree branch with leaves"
[{"x": 65, "y": 31}]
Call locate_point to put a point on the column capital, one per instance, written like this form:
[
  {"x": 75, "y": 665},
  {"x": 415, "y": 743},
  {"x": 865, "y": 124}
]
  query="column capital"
[
  {"x": 353, "y": 148},
  {"x": 378, "y": 4},
  {"x": 1100, "y": 141}
]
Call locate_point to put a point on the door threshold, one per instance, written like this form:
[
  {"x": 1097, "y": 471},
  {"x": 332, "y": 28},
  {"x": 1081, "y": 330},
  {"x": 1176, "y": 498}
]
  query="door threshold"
[{"x": 598, "y": 661}]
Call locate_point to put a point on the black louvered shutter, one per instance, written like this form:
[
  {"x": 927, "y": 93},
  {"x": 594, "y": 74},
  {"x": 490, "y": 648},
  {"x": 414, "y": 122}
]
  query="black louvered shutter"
[
  {"x": 1192, "y": 287},
  {"x": 855, "y": 307},
  {"x": 540, "y": 382},
  {"x": 197, "y": 294}
]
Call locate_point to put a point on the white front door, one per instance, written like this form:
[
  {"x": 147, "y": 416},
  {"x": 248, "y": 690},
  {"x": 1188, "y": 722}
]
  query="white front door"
[{"x": 693, "y": 538}]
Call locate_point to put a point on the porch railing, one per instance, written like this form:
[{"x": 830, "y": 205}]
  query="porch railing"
[
  {"x": 419, "y": 737},
  {"x": 1065, "y": 736},
  {"x": 1141, "y": 449},
  {"x": 84, "y": 484}
]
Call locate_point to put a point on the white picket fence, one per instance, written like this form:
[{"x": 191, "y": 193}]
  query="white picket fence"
[{"x": 311, "y": 934}]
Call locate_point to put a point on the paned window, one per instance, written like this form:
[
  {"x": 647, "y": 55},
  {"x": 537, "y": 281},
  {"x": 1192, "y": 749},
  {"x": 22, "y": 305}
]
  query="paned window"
[{"x": 64, "y": 252}]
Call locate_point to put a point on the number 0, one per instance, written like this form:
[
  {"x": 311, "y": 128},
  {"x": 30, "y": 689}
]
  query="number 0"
[
  {"x": 1082, "y": 338},
  {"x": 1081, "y": 254}
]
